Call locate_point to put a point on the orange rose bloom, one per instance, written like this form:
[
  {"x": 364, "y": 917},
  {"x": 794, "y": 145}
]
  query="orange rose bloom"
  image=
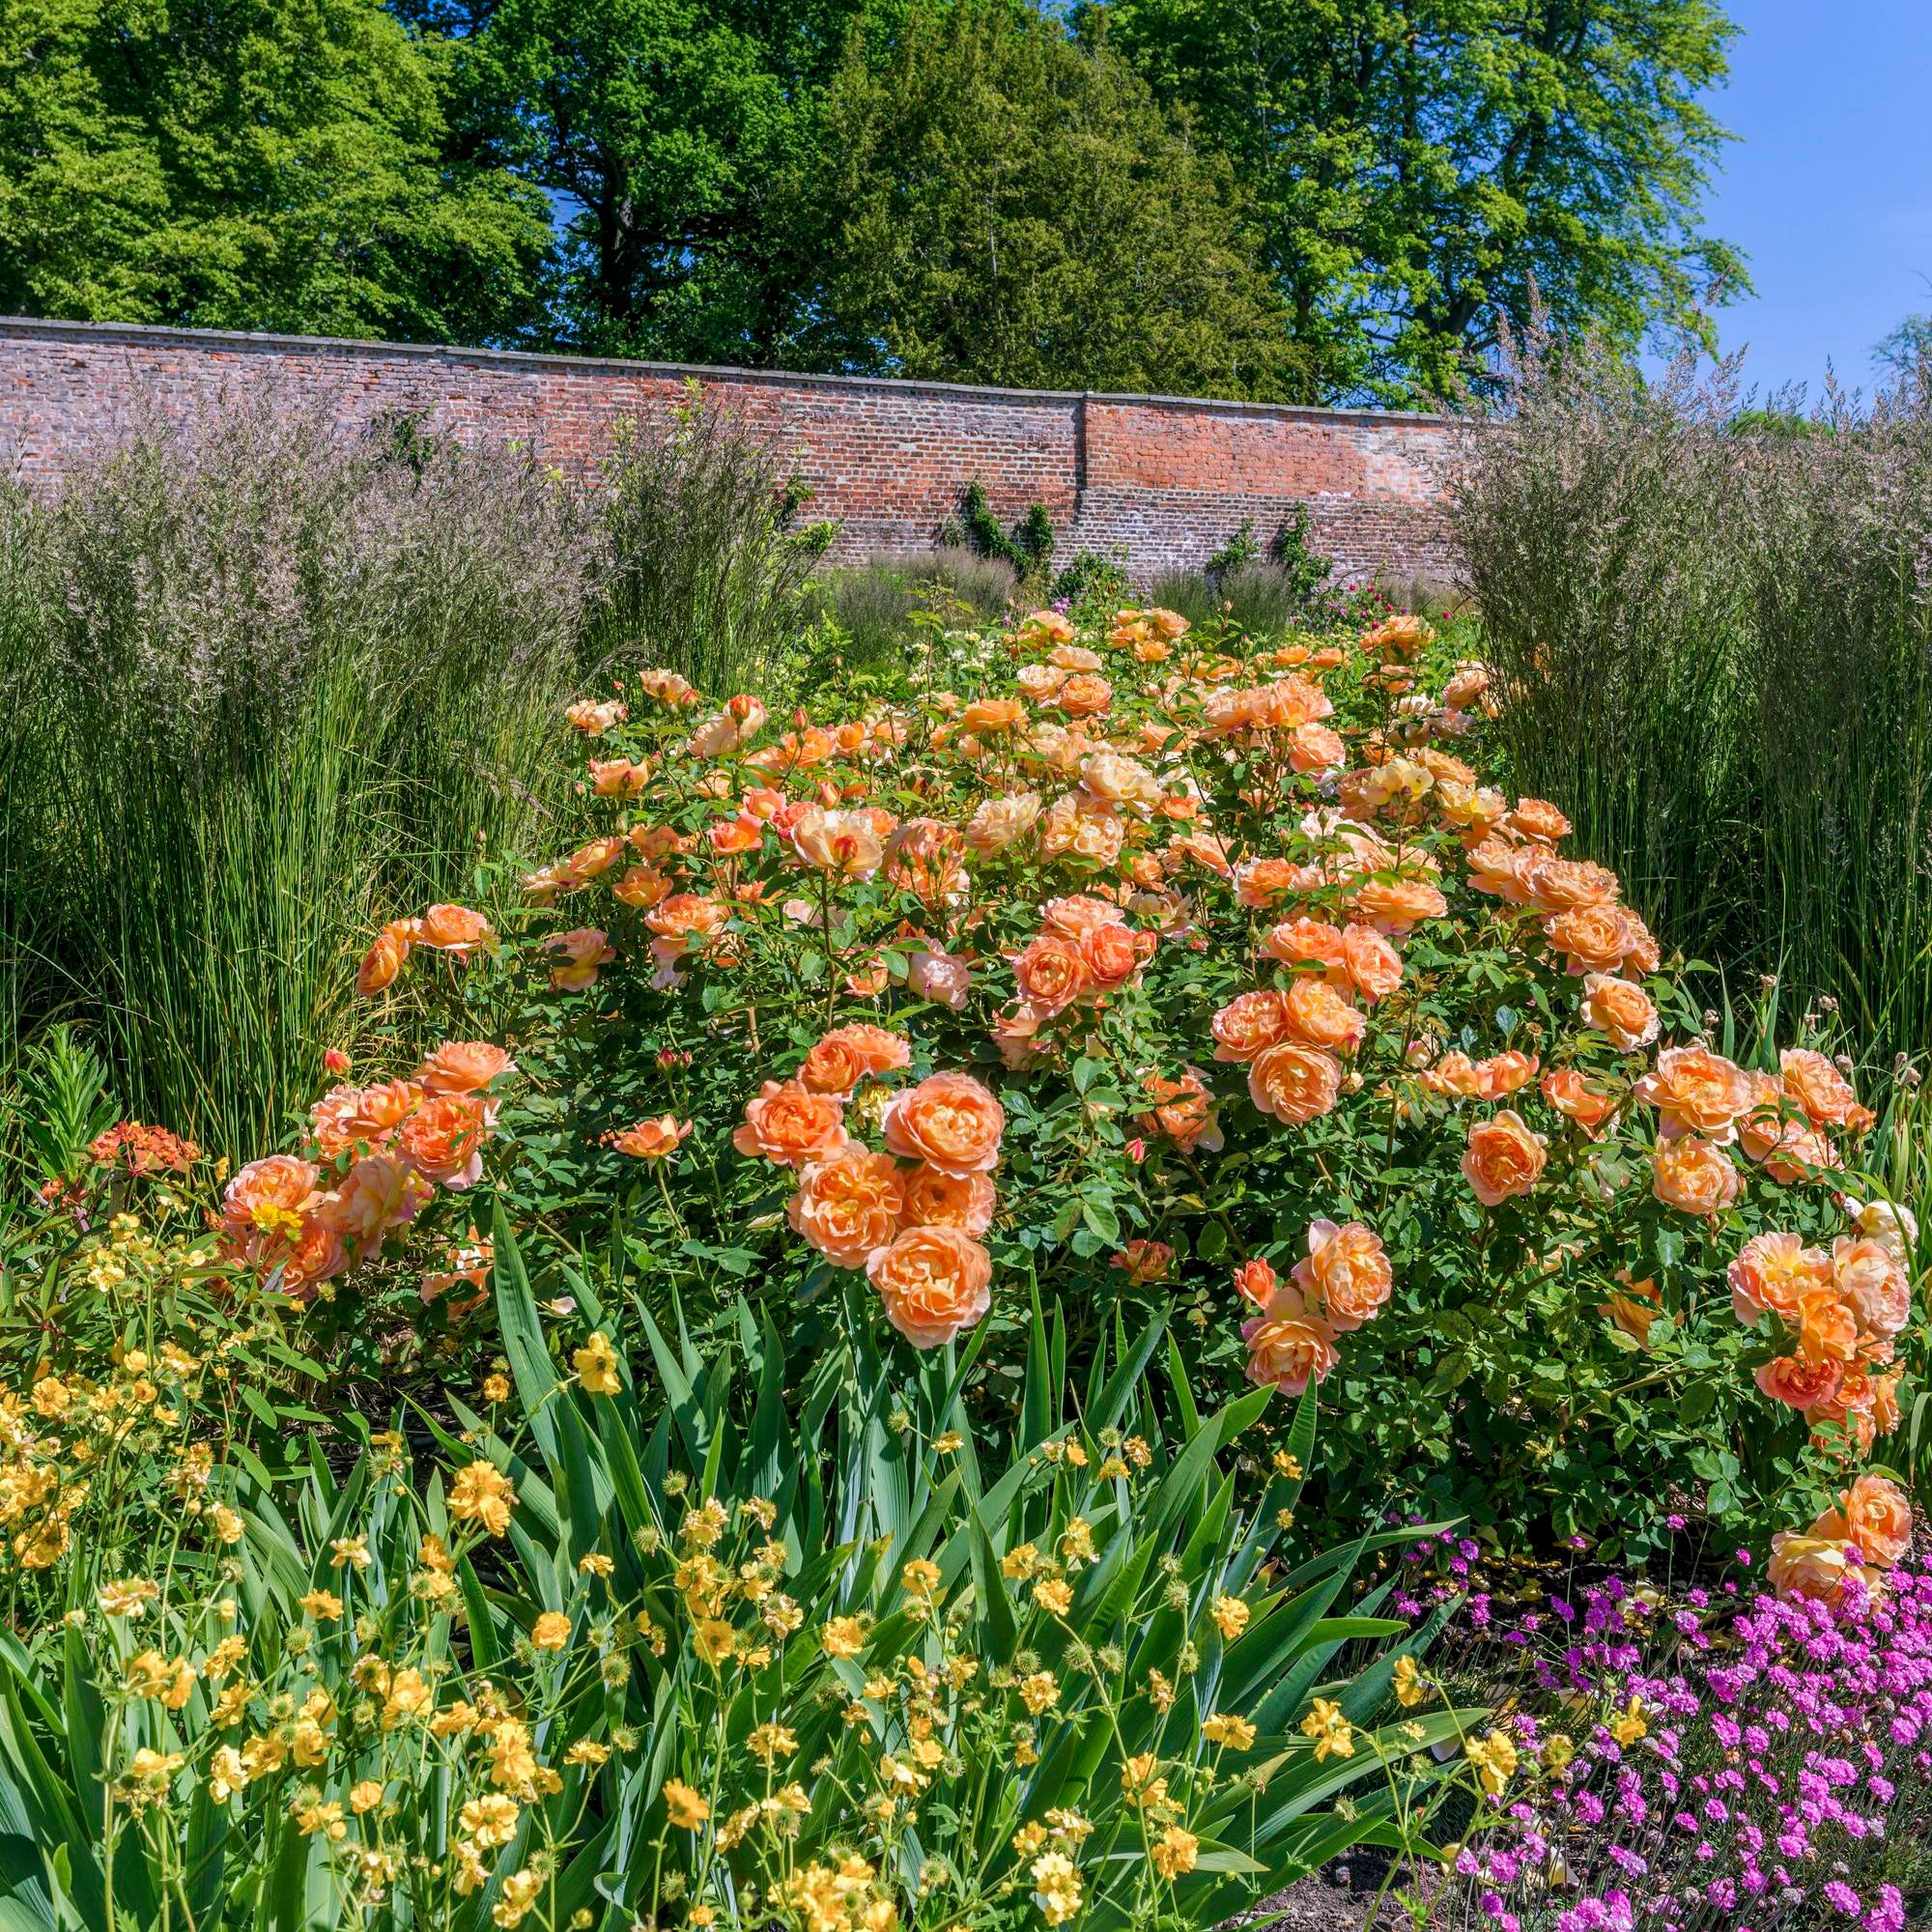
[
  {"x": 1112, "y": 954},
  {"x": 934, "y": 1283},
  {"x": 454, "y": 928},
  {"x": 385, "y": 958},
  {"x": 848, "y": 1206},
  {"x": 1397, "y": 905},
  {"x": 1249, "y": 1024},
  {"x": 848, "y": 1054},
  {"x": 949, "y": 1121},
  {"x": 1800, "y": 1383},
  {"x": 1827, "y": 1329},
  {"x": 1503, "y": 1158},
  {"x": 642, "y": 886},
  {"x": 652, "y": 1140},
  {"x": 1051, "y": 973},
  {"x": 618, "y": 777},
  {"x": 1813, "y": 1567},
  {"x": 1536, "y": 819},
  {"x": 789, "y": 1125},
  {"x": 1257, "y": 1282},
  {"x": 1695, "y": 1176},
  {"x": 1505, "y": 871},
  {"x": 1827, "y": 1097},
  {"x": 379, "y": 1192},
  {"x": 935, "y": 1200},
  {"x": 1621, "y": 1011},
  {"x": 1559, "y": 885},
  {"x": 1373, "y": 966},
  {"x": 267, "y": 1193},
  {"x": 1317, "y": 1015},
  {"x": 1593, "y": 938},
  {"x": 443, "y": 1139},
  {"x": 1567, "y": 1091},
  {"x": 1288, "y": 1351},
  {"x": 462, "y": 1066},
  {"x": 1346, "y": 1271},
  {"x": 1876, "y": 1288},
  {"x": 1085, "y": 695},
  {"x": 1184, "y": 1109},
  {"x": 1697, "y": 1092},
  {"x": 1144, "y": 1263},
  {"x": 1259, "y": 882},
  {"x": 577, "y": 954},
  {"x": 987, "y": 716},
  {"x": 846, "y": 843},
  {"x": 1874, "y": 1516},
  {"x": 1297, "y": 941},
  {"x": 1506, "y": 1072},
  {"x": 1295, "y": 1083},
  {"x": 1773, "y": 1273}
]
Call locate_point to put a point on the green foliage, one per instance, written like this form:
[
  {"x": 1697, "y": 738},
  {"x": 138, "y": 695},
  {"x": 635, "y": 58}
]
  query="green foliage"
[
  {"x": 1011, "y": 207},
  {"x": 1304, "y": 570},
  {"x": 1240, "y": 548},
  {"x": 1420, "y": 172},
  {"x": 1027, "y": 550},
  {"x": 1092, "y": 583},
  {"x": 246, "y": 164}
]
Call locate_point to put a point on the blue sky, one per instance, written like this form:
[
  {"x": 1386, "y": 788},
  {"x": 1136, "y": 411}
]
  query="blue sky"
[{"x": 1829, "y": 189}]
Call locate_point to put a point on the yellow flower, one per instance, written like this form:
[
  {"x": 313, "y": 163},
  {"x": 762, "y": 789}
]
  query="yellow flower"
[
  {"x": 687, "y": 1809},
  {"x": 349, "y": 1550},
  {"x": 1333, "y": 1734},
  {"x": 1409, "y": 1689},
  {"x": 1494, "y": 1759},
  {"x": 226, "y": 1773},
  {"x": 550, "y": 1630},
  {"x": 1030, "y": 1839},
  {"x": 1231, "y": 1616},
  {"x": 770, "y": 1740},
  {"x": 588, "y": 1752},
  {"x": 366, "y": 1796},
  {"x": 1237, "y": 1733},
  {"x": 843, "y": 1636},
  {"x": 311, "y": 1816},
  {"x": 1139, "y": 1784},
  {"x": 488, "y": 1821},
  {"x": 1053, "y": 1596},
  {"x": 482, "y": 1495},
  {"x": 1056, "y": 1886},
  {"x": 496, "y": 1388},
  {"x": 228, "y": 1524},
  {"x": 920, "y": 1578},
  {"x": 1018, "y": 1563},
  {"x": 322, "y": 1605},
  {"x": 520, "y": 1892},
  {"x": 1559, "y": 1750},
  {"x": 1631, "y": 1725},
  {"x": 1039, "y": 1693},
  {"x": 1173, "y": 1852},
  {"x": 596, "y": 1365},
  {"x": 128, "y": 1596},
  {"x": 595, "y": 1565},
  {"x": 713, "y": 1639},
  {"x": 1076, "y": 1542}
]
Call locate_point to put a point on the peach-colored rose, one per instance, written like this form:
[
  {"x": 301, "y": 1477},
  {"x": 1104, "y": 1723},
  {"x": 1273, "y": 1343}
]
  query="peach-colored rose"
[
  {"x": 999, "y": 822},
  {"x": 1621, "y": 1011},
  {"x": 1561, "y": 885},
  {"x": 1051, "y": 973},
  {"x": 1773, "y": 1273},
  {"x": 1118, "y": 782},
  {"x": 1288, "y": 1351},
  {"x": 1877, "y": 1290},
  {"x": 462, "y": 1066},
  {"x": 1457, "y": 1074},
  {"x": 576, "y": 956},
  {"x": 1397, "y": 906},
  {"x": 1465, "y": 687},
  {"x": 1259, "y": 882},
  {"x": 1815, "y": 1567},
  {"x": 1874, "y": 1517},
  {"x": 1184, "y": 1109},
  {"x": 1075, "y": 915},
  {"x": 1144, "y": 1263},
  {"x": 1537, "y": 820},
  {"x": 988, "y": 716},
  {"x": 1635, "y": 1307},
  {"x": 1346, "y": 1271},
  {"x": 789, "y": 1125},
  {"x": 1799, "y": 1383},
  {"x": 849, "y": 1054},
  {"x": 1826, "y": 1329},
  {"x": 346, "y": 1116},
  {"x": 940, "y": 977},
  {"x": 454, "y": 928},
  {"x": 933, "y": 1282},
  {"x": 1506, "y": 1072},
  {"x": 1078, "y": 827},
  {"x": 1503, "y": 1158},
  {"x": 1697, "y": 1092},
  {"x": 1016, "y": 1035},
  {"x": 846, "y": 845},
  {"x": 734, "y": 728},
  {"x": 848, "y": 1208},
  {"x": 1113, "y": 955},
  {"x": 1505, "y": 871},
  {"x": 593, "y": 718},
  {"x": 1694, "y": 1176},
  {"x": 384, "y": 957},
  {"x": 949, "y": 1121},
  {"x": 1827, "y": 1098},
  {"x": 1249, "y": 1024},
  {"x": 642, "y": 886},
  {"x": 1299, "y": 942},
  {"x": 652, "y": 1140},
  {"x": 1593, "y": 938},
  {"x": 1295, "y": 1083},
  {"x": 1315, "y": 748},
  {"x": 1373, "y": 964},
  {"x": 443, "y": 1139},
  {"x": 1316, "y": 1015},
  {"x": 935, "y": 1200},
  {"x": 1085, "y": 695},
  {"x": 1256, "y": 1281},
  {"x": 267, "y": 1193},
  {"x": 732, "y": 837},
  {"x": 380, "y": 1191},
  {"x": 1041, "y": 682},
  {"x": 1570, "y": 1093}
]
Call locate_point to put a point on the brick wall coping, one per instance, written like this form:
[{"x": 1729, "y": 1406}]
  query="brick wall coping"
[{"x": 217, "y": 339}]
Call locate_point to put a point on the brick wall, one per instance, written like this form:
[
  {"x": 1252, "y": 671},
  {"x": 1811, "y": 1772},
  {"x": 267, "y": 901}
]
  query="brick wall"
[{"x": 1159, "y": 480}]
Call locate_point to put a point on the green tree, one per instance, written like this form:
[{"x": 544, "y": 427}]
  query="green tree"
[
  {"x": 1006, "y": 205},
  {"x": 1422, "y": 169},
  {"x": 276, "y": 164},
  {"x": 662, "y": 131}
]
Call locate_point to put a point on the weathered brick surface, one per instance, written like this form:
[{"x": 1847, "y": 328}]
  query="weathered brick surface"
[{"x": 1158, "y": 481}]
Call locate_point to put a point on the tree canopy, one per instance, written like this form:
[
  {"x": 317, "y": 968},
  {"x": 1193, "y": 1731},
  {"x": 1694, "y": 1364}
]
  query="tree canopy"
[{"x": 1323, "y": 199}]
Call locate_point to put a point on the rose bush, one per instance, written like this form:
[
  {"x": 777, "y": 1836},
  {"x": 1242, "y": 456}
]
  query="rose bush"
[{"x": 1165, "y": 976}]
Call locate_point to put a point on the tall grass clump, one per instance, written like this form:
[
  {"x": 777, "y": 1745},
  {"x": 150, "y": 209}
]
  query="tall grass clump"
[
  {"x": 872, "y": 604},
  {"x": 261, "y": 685},
  {"x": 1710, "y": 631}
]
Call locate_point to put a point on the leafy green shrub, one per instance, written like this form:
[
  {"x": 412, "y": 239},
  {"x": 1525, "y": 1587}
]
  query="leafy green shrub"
[{"x": 1029, "y": 547}]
